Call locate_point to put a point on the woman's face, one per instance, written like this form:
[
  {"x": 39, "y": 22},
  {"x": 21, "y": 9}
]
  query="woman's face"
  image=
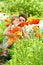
[{"x": 21, "y": 19}]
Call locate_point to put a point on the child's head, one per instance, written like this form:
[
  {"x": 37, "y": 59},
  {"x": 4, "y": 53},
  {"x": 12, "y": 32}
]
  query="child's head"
[{"x": 15, "y": 20}]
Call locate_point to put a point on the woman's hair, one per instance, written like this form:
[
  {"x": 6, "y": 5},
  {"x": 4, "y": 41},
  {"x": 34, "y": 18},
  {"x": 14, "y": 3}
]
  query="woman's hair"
[
  {"x": 13, "y": 18},
  {"x": 23, "y": 15}
]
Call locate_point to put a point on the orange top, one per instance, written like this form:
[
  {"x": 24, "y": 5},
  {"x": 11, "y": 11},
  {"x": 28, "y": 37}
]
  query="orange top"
[
  {"x": 17, "y": 33},
  {"x": 15, "y": 30}
]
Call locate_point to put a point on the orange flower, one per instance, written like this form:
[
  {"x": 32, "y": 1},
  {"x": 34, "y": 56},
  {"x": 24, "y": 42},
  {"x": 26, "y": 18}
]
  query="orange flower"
[
  {"x": 35, "y": 21},
  {"x": 37, "y": 35},
  {"x": 22, "y": 24},
  {"x": 35, "y": 28},
  {"x": 30, "y": 22},
  {"x": 7, "y": 25},
  {"x": 11, "y": 14},
  {"x": 6, "y": 20},
  {"x": 18, "y": 33},
  {"x": 27, "y": 23}
]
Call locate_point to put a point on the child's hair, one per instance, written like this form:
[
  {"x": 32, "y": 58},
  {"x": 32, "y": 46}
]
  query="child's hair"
[
  {"x": 13, "y": 18},
  {"x": 23, "y": 15}
]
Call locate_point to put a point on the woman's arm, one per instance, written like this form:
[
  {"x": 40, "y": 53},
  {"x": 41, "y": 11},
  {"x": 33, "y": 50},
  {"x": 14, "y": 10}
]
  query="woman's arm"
[{"x": 24, "y": 33}]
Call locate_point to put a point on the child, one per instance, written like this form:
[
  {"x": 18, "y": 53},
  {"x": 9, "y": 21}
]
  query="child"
[{"x": 12, "y": 32}]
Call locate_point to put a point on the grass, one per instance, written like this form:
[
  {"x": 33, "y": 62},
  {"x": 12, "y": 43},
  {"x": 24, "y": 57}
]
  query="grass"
[
  {"x": 2, "y": 28},
  {"x": 27, "y": 53}
]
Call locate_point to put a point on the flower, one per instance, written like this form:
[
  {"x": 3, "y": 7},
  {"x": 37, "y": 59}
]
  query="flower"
[
  {"x": 27, "y": 23},
  {"x": 37, "y": 35},
  {"x": 35, "y": 21},
  {"x": 35, "y": 28},
  {"x": 18, "y": 33},
  {"x": 7, "y": 25},
  {"x": 22, "y": 24},
  {"x": 6, "y": 20},
  {"x": 11, "y": 14}
]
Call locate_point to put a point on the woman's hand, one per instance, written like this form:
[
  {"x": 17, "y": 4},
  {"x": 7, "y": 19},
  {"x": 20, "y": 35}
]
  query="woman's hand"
[{"x": 24, "y": 33}]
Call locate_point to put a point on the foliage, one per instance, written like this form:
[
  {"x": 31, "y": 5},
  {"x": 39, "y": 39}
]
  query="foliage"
[
  {"x": 2, "y": 28},
  {"x": 28, "y": 53},
  {"x": 33, "y": 7}
]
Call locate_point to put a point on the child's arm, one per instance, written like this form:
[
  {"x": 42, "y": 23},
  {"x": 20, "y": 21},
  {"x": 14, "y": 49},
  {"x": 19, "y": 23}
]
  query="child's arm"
[
  {"x": 7, "y": 33},
  {"x": 24, "y": 33}
]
